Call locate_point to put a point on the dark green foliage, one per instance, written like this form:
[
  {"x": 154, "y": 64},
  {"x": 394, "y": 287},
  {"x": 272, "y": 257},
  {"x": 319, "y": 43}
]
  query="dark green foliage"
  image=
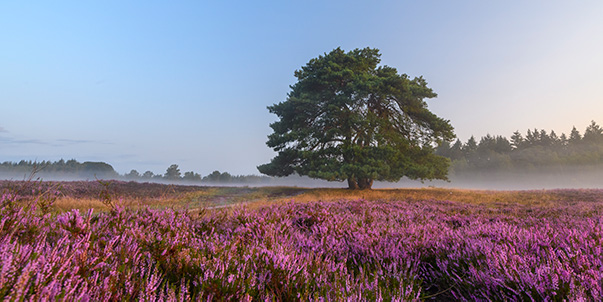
[
  {"x": 470, "y": 147},
  {"x": 96, "y": 167},
  {"x": 575, "y": 136},
  {"x": 133, "y": 175},
  {"x": 517, "y": 140},
  {"x": 537, "y": 149},
  {"x": 347, "y": 118},
  {"x": 216, "y": 176},
  {"x": 593, "y": 134},
  {"x": 70, "y": 168},
  {"x": 191, "y": 176},
  {"x": 172, "y": 172},
  {"x": 147, "y": 175}
]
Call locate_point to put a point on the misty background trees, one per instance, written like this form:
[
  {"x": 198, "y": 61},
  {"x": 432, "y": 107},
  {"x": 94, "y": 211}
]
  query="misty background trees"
[
  {"x": 172, "y": 173},
  {"x": 61, "y": 168},
  {"x": 74, "y": 170},
  {"x": 534, "y": 150}
]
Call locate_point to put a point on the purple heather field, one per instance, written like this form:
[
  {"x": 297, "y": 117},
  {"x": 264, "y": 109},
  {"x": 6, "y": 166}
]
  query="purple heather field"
[{"x": 346, "y": 250}]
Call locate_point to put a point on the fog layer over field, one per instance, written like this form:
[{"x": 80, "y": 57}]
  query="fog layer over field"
[
  {"x": 574, "y": 177},
  {"x": 549, "y": 178}
]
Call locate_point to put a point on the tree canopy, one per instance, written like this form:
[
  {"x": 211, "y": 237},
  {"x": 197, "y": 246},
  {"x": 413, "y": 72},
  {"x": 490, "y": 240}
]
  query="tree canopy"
[{"x": 348, "y": 118}]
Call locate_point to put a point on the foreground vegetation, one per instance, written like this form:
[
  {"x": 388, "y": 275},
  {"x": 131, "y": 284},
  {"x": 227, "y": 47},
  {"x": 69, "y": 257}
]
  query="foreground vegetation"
[
  {"x": 391, "y": 245},
  {"x": 103, "y": 195}
]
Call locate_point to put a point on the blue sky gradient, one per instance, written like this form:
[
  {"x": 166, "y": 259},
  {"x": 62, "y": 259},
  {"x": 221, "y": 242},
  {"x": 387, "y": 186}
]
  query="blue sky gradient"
[{"x": 145, "y": 84}]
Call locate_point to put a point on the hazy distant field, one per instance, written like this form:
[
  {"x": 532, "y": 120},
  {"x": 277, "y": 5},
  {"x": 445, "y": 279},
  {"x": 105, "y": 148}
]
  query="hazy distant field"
[{"x": 129, "y": 241}]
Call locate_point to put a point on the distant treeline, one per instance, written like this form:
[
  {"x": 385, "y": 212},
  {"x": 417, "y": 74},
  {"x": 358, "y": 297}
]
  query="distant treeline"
[
  {"x": 61, "y": 168},
  {"x": 72, "y": 169},
  {"x": 173, "y": 174},
  {"x": 537, "y": 149}
]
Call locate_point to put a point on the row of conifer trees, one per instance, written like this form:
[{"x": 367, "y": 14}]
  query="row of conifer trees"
[{"x": 537, "y": 148}]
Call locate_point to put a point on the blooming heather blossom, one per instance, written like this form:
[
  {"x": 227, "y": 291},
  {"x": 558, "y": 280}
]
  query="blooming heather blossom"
[{"x": 354, "y": 250}]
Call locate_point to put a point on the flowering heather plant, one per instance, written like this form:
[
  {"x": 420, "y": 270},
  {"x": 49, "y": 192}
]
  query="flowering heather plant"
[{"x": 345, "y": 250}]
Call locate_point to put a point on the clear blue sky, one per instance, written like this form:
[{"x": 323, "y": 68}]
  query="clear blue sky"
[{"x": 145, "y": 84}]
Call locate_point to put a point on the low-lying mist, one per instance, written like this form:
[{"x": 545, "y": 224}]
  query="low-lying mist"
[
  {"x": 575, "y": 179},
  {"x": 570, "y": 177}
]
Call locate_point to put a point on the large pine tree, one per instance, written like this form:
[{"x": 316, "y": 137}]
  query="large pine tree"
[{"x": 347, "y": 118}]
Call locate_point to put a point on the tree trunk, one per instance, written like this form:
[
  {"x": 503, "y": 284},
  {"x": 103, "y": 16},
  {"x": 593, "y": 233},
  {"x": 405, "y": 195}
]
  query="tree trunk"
[
  {"x": 365, "y": 183},
  {"x": 352, "y": 184},
  {"x": 360, "y": 183}
]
